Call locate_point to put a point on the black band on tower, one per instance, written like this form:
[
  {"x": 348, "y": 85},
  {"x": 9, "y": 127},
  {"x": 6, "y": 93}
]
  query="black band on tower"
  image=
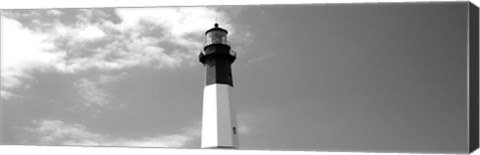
[{"x": 217, "y": 61}]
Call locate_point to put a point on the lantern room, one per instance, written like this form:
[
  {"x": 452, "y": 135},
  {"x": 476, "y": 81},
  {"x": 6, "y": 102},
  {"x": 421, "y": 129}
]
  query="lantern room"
[
  {"x": 217, "y": 46},
  {"x": 216, "y": 35}
]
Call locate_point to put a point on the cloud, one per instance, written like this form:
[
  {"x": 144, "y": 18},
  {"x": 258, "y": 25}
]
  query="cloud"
[
  {"x": 128, "y": 43},
  {"x": 89, "y": 32},
  {"x": 6, "y": 95},
  {"x": 260, "y": 58},
  {"x": 56, "y": 132},
  {"x": 141, "y": 37},
  {"x": 22, "y": 50},
  {"x": 156, "y": 37},
  {"x": 243, "y": 129},
  {"x": 94, "y": 96},
  {"x": 177, "y": 21},
  {"x": 70, "y": 39},
  {"x": 110, "y": 78},
  {"x": 245, "y": 122},
  {"x": 54, "y": 12}
]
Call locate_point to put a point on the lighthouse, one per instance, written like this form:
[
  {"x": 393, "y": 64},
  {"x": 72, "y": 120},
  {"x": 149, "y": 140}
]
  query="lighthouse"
[{"x": 219, "y": 124}]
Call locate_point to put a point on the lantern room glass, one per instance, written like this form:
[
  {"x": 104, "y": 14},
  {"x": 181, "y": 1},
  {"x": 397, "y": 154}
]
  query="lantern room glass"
[{"x": 216, "y": 37}]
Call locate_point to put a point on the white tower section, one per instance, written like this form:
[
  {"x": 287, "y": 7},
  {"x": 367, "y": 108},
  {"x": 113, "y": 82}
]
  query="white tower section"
[{"x": 219, "y": 128}]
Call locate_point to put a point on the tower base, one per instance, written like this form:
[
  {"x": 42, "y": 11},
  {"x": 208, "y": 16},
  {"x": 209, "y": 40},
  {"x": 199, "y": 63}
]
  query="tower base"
[{"x": 219, "y": 126}]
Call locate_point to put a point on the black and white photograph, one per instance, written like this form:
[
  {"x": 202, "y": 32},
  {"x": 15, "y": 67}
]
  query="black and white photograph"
[{"x": 374, "y": 77}]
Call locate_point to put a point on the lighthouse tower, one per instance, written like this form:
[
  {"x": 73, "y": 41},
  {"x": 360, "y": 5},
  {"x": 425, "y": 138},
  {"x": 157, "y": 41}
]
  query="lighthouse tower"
[{"x": 219, "y": 124}]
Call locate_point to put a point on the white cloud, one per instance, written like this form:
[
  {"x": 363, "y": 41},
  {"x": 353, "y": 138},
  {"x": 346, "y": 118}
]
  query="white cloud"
[
  {"x": 133, "y": 47},
  {"x": 110, "y": 78},
  {"x": 122, "y": 54},
  {"x": 104, "y": 45},
  {"x": 244, "y": 123},
  {"x": 22, "y": 51},
  {"x": 90, "y": 32},
  {"x": 75, "y": 34},
  {"x": 260, "y": 58},
  {"x": 243, "y": 129},
  {"x": 56, "y": 132},
  {"x": 6, "y": 95},
  {"x": 54, "y": 12},
  {"x": 177, "y": 22},
  {"x": 95, "y": 97}
]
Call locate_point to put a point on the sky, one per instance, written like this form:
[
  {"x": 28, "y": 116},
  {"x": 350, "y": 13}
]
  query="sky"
[{"x": 325, "y": 77}]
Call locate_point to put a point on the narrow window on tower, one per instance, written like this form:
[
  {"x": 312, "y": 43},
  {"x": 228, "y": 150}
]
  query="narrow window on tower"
[{"x": 234, "y": 130}]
